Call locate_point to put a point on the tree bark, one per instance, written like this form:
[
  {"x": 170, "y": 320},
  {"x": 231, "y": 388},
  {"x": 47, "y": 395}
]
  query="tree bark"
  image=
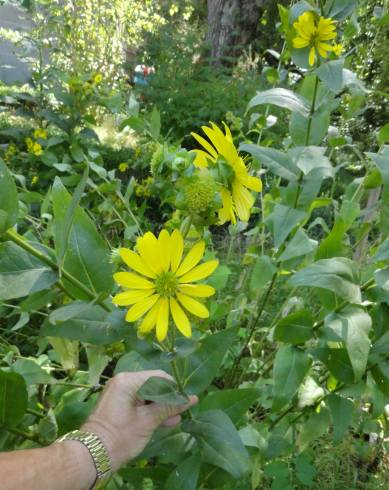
[{"x": 232, "y": 24}]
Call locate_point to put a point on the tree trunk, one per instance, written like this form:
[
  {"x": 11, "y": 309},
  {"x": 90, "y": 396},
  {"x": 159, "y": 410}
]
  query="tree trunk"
[{"x": 232, "y": 24}]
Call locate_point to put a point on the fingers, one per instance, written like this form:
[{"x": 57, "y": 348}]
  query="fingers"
[
  {"x": 160, "y": 413},
  {"x": 172, "y": 421},
  {"x": 132, "y": 381}
]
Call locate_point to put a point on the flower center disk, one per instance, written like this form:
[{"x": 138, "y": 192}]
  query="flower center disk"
[{"x": 166, "y": 284}]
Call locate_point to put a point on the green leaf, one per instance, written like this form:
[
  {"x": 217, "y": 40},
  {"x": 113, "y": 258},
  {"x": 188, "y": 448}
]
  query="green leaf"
[
  {"x": 202, "y": 366},
  {"x": 382, "y": 278},
  {"x": 281, "y": 97},
  {"x": 263, "y": 272},
  {"x": 331, "y": 74},
  {"x": 220, "y": 277},
  {"x": 282, "y": 221},
  {"x": 77, "y": 153},
  {"x": 290, "y": 367},
  {"x": 86, "y": 322},
  {"x": 382, "y": 162},
  {"x": 381, "y": 376},
  {"x": 278, "y": 162},
  {"x": 308, "y": 158},
  {"x": 352, "y": 327},
  {"x": 234, "y": 403},
  {"x": 295, "y": 328},
  {"x": 300, "y": 245},
  {"x": 32, "y": 372},
  {"x": 13, "y": 399},
  {"x": 280, "y": 440},
  {"x": 161, "y": 390},
  {"x": 383, "y": 134},
  {"x": 337, "y": 274},
  {"x": 87, "y": 254},
  {"x": 186, "y": 474},
  {"x": 337, "y": 362},
  {"x": 314, "y": 427},
  {"x": 8, "y": 199},
  {"x": 341, "y": 412},
  {"x": 382, "y": 252},
  {"x": 62, "y": 232},
  {"x": 339, "y": 9},
  {"x": 220, "y": 442},
  {"x": 22, "y": 274}
]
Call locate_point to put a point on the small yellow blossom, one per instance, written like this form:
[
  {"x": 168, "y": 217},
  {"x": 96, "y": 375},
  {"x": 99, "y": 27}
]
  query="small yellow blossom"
[
  {"x": 163, "y": 283},
  {"x": 29, "y": 143},
  {"x": 312, "y": 33},
  {"x": 123, "y": 167},
  {"x": 236, "y": 197},
  {"x": 34, "y": 180},
  {"x": 40, "y": 133},
  {"x": 337, "y": 49},
  {"x": 98, "y": 78},
  {"x": 36, "y": 149}
]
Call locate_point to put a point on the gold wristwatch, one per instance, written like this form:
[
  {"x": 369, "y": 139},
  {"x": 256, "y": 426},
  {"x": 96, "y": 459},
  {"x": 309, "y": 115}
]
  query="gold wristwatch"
[{"x": 98, "y": 453}]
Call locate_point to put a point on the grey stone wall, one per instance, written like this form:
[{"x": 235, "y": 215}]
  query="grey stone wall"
[{"x": 11, "y": 68}]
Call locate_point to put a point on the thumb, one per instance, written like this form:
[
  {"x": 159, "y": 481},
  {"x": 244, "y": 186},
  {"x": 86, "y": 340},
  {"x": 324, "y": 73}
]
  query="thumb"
[{"x": 161, "y": 412}]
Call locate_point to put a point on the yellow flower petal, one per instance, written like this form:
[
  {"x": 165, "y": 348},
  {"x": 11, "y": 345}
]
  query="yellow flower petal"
[
  {"x": 226, "y": 213},
  {"x": 130, "y": 297},
  {"x": 177, "y": 249},
  {"x": 198, "y": 290},
  {"x": 192, "y": 258},
  {"x": 133, "y": 261},
  {"x": 312, "y": 56},
  {"x": 202, "y": 158},
  {"x": 323, "y": 49},
  {"x": 164, "y": 249},
  {"x": 243, "y": 201},
  {"x": 299, "y": 42},
  {"x": 149, "y": 251},
  {"x": 193, "y": 306},
  {"x": 149, "y": 321},
  {"x": 141, "y": 308},
  {"x": 162, "y": 319},
  {"x": 203, "y": 142},
  {"x": 132, "y": 281},
  {"x": 180, "y": 318},
  {"x": 200, "y": 272}
]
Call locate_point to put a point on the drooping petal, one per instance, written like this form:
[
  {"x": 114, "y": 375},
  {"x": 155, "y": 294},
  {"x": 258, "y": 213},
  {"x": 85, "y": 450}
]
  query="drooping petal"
[
  {"x": 130, "y": 297},
  {"x": 243, "y": 201},
  {"x": 141, "y": 308},
  {"x": 133, "y": 261},
  {"x": 197, "y": 290},
  {"x": 200, "y": 272},
  {"x": 177, "y": 249},
  {"x": 180, "y": 318},
  {"x": 164, "y": 249},
  {"x": 149, "y": 251},
  {"x": 226, "y": 213},
  {"x": 132, "y": 281},
  {"x": 203, "y": 142},
  {"x": 323, "y": 49},
  {"x": 202, "y": 158},
  {"x": 254, "y": 183},
  {"x": 312, "y": 56},
  {"x": 193, "y": 306},
  {"x": 149, "y": 321},
  {"x": 162, "y": 319},
  {"x": 299, "y": 42},
  {"x": 192, "y": 258}
]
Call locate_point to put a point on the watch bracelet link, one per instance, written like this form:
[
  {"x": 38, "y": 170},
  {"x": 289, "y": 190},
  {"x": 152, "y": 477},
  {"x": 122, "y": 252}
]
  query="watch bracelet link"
[{"x": 98, "y": 452}]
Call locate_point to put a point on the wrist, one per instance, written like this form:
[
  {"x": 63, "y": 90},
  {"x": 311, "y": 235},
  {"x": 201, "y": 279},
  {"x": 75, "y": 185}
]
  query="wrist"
[{"x": 78, "y": 463}]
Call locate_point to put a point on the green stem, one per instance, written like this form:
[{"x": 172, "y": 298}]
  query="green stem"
[
  {"x": 21, "y": 242},
  {"x": 25, "y": 435}
]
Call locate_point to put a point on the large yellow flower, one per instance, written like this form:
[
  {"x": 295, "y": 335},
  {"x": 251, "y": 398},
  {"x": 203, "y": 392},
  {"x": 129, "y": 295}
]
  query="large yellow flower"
[
  {"x": 164, "y": 285},
  {"x": 236, "y": 197},
  {"x": 312, "y": 33}
]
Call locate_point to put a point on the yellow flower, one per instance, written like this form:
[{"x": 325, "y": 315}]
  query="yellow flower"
[
  {"x": 98, "y": 78},
  {"x": 29, "y": 143},
  {"x": 312, "y": 33},
  {"x": 123, "y": 167},
  {"x": 34, "y": 180},
  {"x": 164, "y": 286},
  {"x": 337, "y": 49},
  {"x": 236, "y": 198},
  {"x": 40, "y": 133},
  {"x": 36, "y": 149}
]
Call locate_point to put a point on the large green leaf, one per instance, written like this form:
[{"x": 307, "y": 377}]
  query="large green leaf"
[
  {"x": 32, "y": 372},
  {"x": 234, "y": 403},
  {"x": 87, "y": 254},
  {"x": 352, "y": 327},
  {"x": 22, "y": 274},
  {"x": 337, "y": 362},
  {"x": 13, "y": 399},
  {"x": 263, "y": 271},
  {"x": 382, "y": 162},
  {"x": 295, "y": 328},
  {"x": 162, "y": 390},
  {"x": 331, "y": 74},
  {"x": 381, "y": 376},
  {"x": 220, "y": 442},
  {"x": 281, "y": 97},
  {"x": 277, "y": 161},
  {"x": 8, "y": 199},
  {"x": 341, "y": 412},
  {"x": 339, "y": 9},
  {"x": 282, "y": 221},
  {"x": 299, "y": 245},
  {"x": 186, "y": 474},
  {"x": 291, "y": 365},
  {"x": 337, "y": 274},
  {"x": 308, "y": 158},
  {"x": 316, "y": 425},
  {"x": 86, "y": 322},
  {"x": 382, "y": 252},
  {"x": 202, "y": 366}
]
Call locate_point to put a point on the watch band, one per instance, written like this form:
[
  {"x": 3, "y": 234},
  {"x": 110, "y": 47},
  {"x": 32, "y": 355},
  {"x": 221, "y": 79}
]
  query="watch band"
[{"x": 98, "y": 453}]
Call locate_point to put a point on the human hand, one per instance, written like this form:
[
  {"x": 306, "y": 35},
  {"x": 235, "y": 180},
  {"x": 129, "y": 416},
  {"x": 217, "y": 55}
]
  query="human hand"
[{"x": 124, "y": 422}]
